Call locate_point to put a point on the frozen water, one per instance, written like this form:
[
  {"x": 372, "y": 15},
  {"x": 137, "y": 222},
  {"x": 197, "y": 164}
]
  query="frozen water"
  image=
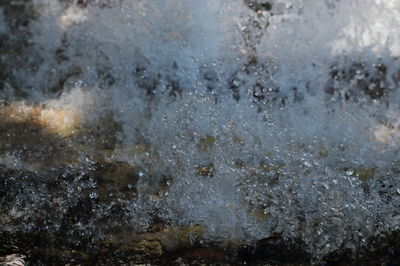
[{"x": 265, "y": 120}]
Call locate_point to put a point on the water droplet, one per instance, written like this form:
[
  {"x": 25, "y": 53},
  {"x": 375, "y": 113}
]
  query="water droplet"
[{"x": 349, "y": 172}]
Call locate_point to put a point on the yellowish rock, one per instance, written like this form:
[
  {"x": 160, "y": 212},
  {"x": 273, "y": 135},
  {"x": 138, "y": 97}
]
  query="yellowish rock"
[
  {"x": 323, "y": 151},
  {"x": 140, "y": 148},
  {"x": 234, "y": 244},
  {"x": 205, "y": 170},
  {"x": 365, "y": 174},
  {"x": 152, "y": 247},
  {"x": 238, "y": 141},
  {"x": 272, "y": 167},
  {"x": 258, "y": 213},
  {"x": 63, "y": 122},
  {"x": 188, "y": 232},
  {"x": 206, "y": 144}
]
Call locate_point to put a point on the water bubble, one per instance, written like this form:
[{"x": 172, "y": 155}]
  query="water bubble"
[{"x": 349, "y": 172}]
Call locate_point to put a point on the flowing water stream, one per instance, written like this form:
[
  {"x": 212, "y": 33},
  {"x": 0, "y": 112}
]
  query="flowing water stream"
[{"x": 247, "y": 119}]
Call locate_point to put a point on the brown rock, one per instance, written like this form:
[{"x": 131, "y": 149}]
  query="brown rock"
[
  {"x": 205, "y": 170},
  {"x": 63, "y": 122},
  {"x": 148, "y": 247}
]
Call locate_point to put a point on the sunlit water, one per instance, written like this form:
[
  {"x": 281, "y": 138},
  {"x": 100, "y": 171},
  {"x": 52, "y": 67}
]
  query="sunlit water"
[{"x": 280, "y": 119}]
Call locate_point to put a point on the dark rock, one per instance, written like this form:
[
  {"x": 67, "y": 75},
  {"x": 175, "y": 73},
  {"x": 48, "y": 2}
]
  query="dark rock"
[
  {"x": 358, "y": 77},
  {"x": 259, "y": 5}
]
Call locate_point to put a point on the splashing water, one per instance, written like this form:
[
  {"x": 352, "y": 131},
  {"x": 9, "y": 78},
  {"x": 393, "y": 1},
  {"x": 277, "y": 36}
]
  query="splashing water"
[{"x": 266, "y": 119}]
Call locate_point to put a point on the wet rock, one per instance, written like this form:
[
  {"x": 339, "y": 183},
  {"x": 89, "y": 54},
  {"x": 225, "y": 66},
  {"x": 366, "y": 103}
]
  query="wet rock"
[
  {"x": 258, "y": 213},
  {"x": 238, "y": 141},
  {"x": 85, "y": 3},
  {"x": 240, "y": 164},
  {"x": 28, "y": 142},
  {"x": 206, "y": 144},
  {"x": 119, "y": 173},
  {"x": 190, "y": 233},
  {"x": 323, "y": 151},
  {"x": 205, "y": 170},
  {"x": 365, "y": 174},
  {"x": 115, "y": 180},
  {"x": 270, "y": 167},
  {"x": 348, "y": 82},
  {"x": 63, "y": 122},
  {"x": 157, "y": 242},
  {"x": 148, "y": 247},
  {"x": 175, "y": 238},
  {"x": 64, "y": 80},
  {"x": 13, "y": 260},
  {"x": 156, "y": 185},
  {"x": 259, "y": 5},
  {"x": 139, "y": 151},
  {"x": 211, "y": 254},
  {"x": 44, "y": 136},
  {"x": 274, "y": 250}
]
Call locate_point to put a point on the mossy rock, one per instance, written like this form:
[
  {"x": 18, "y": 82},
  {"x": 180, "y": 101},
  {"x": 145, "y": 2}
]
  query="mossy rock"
[
  {"x": 365, "y": 174},
  {"x": 206, "y": 144},
  {"x": 258, "y": 213},
  {"x": 323, "y": 151},
  {"x": 270, "y": 167},
  {"x": 148, "y": 247},
  {"x": 205, "y": 170},
  {"x": 239, "y": 164},
  {"x": 120, "y": 173},
  {"x": 238, "y": 141},
  {"x": 187, "y": 233}
]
